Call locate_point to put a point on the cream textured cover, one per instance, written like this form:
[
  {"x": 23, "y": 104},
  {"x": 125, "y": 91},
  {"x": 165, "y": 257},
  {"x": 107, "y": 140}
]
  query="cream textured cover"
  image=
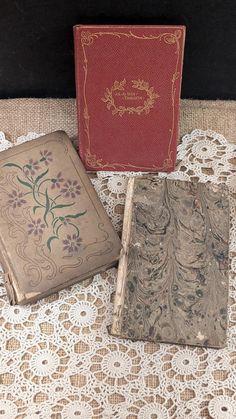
[{"x": 53, "y": 229}]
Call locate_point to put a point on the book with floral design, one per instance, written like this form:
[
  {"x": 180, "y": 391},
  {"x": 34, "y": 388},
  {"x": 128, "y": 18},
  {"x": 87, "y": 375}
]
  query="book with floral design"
[{"x": 54, "y": 230}]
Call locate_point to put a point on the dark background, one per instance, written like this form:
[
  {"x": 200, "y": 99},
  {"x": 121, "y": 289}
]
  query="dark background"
[{"x": 36, "y": 42}]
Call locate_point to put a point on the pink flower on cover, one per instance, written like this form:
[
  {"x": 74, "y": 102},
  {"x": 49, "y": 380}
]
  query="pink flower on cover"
[
  {"x": 31, "y": 167},
  {"x": 72, "y": 244},
  {"x": 16, "y": 199},
  {"x": 71, "y": 189},
  {"x": 36, "y": 227},
  {"x": 46, "y": 157},
  {"x": 56, "y": 181}
]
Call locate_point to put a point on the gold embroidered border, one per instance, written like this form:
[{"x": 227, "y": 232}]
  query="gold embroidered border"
[{"x": 87, "y": 39}]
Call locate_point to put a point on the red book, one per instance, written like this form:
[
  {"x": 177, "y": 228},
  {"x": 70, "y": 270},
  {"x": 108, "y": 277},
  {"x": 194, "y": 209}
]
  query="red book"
[{"x": 128, "y": 81}]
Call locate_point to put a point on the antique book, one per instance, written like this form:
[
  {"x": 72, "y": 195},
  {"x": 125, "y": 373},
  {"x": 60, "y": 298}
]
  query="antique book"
[
  {"x": 54, "y": 230},
  {"x": 173, "y": 272},
  {"x": 128, "y": 82}
]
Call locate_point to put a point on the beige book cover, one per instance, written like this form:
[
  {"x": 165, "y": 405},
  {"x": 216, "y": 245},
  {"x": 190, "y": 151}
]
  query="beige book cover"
[{"x": 54, "y": 230}]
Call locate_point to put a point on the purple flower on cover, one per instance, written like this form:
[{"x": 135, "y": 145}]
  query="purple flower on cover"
[
  {"x": 72, "y": 244},
  {"x": 36, "y": 227},
  {"x": 31, "y": 167},
  {"x": 46, "y": 156},
  {"x": 16, "y": 199},
  {"x": 71, "y": 189},
  {"x": 56, "y": 181}
]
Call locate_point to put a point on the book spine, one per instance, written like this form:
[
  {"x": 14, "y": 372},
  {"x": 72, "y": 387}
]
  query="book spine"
[
  {"x": 122, "y": 268},
  {"x": 79, "y": 94},
  {"x": 8, "y": 278}
]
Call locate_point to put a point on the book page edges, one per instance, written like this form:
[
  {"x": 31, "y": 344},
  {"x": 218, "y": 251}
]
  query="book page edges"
[
  {"x": 13, "y": 292},
  {"x": 122, "y": 268},
  {"x": 16, "y": 297}
]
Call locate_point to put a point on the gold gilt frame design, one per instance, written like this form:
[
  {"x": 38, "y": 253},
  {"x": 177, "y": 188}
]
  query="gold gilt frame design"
[{"x": 87, "y": 39}]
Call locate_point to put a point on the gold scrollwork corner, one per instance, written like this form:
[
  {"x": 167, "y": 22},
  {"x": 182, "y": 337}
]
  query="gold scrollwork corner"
[
  {"x": 91, "y": 159},
  {"x": 168, "y": 162},
  {"x": 87, "y": 38},
  {"x": 172, "y": 38},
  {"x": 178, "y": 34}
]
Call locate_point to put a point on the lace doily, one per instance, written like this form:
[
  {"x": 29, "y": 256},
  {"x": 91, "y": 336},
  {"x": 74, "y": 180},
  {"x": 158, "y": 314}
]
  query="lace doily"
[{"x": 58, "y": 360}]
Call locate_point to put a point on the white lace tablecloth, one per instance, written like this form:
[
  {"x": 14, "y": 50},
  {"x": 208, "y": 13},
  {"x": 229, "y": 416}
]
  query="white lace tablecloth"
[{"x": 58, "y": 360}]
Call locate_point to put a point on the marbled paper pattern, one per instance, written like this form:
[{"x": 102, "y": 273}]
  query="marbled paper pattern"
[{"x": 177, "y": 268}]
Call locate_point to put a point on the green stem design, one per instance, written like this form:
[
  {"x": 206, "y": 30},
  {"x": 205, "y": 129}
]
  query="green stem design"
[
  {"x": 54, "y": 223},
  {"x": 40, "y": 184},
  {"x": 27, "y": 177},
  {"x": 58, "y": 228},
  {"x": 77, "y": 229},
  {"x": 58, "y": 196},
  {"x": 36, "y": 200},
  {"x": 49, "y": 204}
]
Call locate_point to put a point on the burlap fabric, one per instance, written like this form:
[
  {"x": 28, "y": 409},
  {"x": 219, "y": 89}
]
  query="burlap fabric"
[{"x": 19, "y": 116}]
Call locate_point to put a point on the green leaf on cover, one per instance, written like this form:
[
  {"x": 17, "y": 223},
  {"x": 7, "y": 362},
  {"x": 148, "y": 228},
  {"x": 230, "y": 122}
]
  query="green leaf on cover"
[
  {"x": 49, "y": 242},
  {"x": 47, "y": 207},
  {"x": 24, "y": 183},
  {"x": 40, "y": 176},
  {"x": 75, "y": 215},
  {"x": 12, "y": 165},
  {"x": 62, "y": 206},
  {"x": 36, "y": 207},
  {"x": 58, "y": 228}
]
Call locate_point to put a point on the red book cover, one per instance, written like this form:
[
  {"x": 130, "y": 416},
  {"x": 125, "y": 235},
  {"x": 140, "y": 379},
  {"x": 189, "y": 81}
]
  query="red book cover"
[{"x": 128, "y": 82}]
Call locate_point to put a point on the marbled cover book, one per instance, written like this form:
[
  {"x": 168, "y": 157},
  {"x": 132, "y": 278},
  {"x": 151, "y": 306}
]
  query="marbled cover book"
[
  {"x": 128, "y": 82},
  {"x": 173, "y": 274},
  {"x": 54, "y": 230}
]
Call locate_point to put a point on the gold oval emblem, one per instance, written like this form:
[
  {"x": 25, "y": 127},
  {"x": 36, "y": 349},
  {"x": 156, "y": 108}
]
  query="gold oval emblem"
[{"x": 119, "y": 91}]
